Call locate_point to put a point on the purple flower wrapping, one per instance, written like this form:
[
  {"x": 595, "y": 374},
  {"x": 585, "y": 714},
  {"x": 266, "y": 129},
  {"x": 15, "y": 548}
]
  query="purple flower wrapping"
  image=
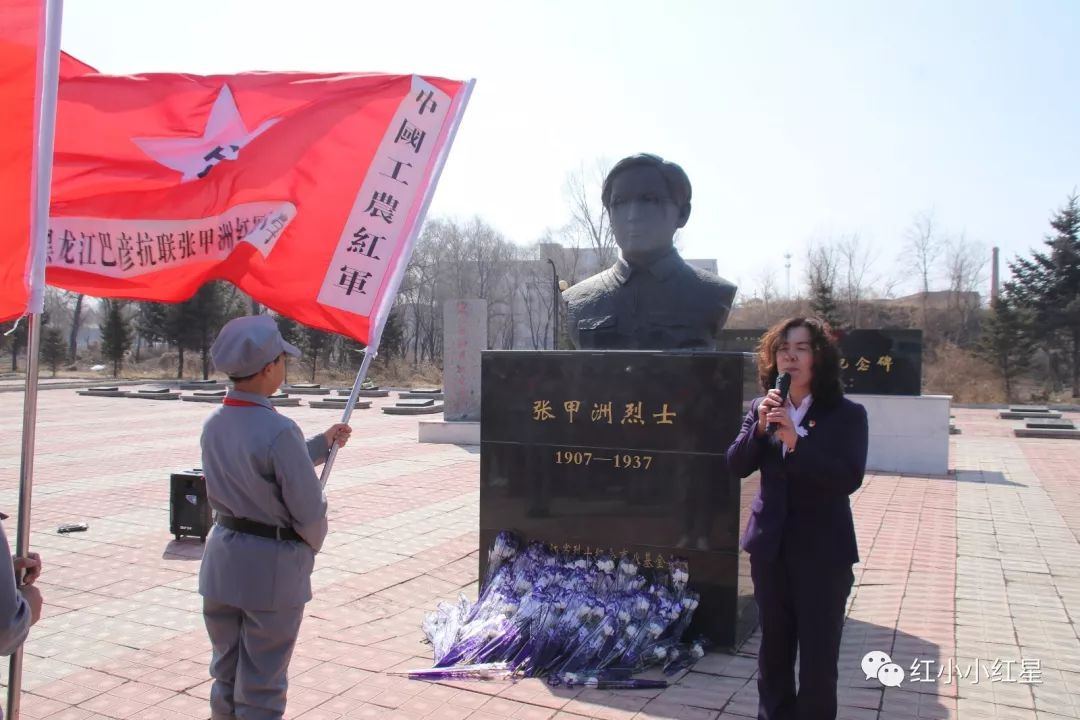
[{"x": 547, "y": 611}]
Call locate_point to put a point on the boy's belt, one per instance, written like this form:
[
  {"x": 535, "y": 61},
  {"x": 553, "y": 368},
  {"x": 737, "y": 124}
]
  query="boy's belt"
[{"x": 250, "y": 527}]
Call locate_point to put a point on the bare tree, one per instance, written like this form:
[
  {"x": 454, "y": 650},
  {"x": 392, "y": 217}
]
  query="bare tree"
[
  {"x": 537, "y": 295},
  {"x": 922, "y": 247},
  {"x": 487, "y": 256},
  {"x": 854, "y": 261},
  {"x": 589, "y": 225},
  {"x": 419, "y": 290},
  {"x": 457, "y": 260},
  {"x": 766, "y": 291},
  {"x": 965, "y": 264},
  {"x": 77, "y": 318},
  {"x": 503, "y": 308}
]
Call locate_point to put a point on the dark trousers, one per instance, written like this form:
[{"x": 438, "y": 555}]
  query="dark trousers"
[{"x": 801, "y": 608}]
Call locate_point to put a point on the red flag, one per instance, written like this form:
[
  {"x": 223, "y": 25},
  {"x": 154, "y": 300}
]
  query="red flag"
[
  {"x": 21, "y": 24},
  {"x": 301, "y": 189}
]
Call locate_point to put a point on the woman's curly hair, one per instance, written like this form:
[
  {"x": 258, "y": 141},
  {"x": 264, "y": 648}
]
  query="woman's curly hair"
[{"x": 826, "y": 385}]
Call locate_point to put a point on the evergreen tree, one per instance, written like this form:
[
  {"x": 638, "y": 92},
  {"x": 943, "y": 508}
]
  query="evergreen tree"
[
  {"x": 392, "y": 342},
  {"x": 289, "y": 329},
  {"x": 53, "y": 348},
  {"x": 150, "y": 323},
  {"x": 823, "y": 302},
  {"x": 212, "y": 306},
  {"x": 1006, "y": 342},
  {"x": 194, "y": 323},
  {"x": 179, "y": 330},
  {"x": 116, "y": 333},
  {"x": 290, "y": 332},
  {"x": 1048, "y": 285},
  {"x": 312, "y": 344}
]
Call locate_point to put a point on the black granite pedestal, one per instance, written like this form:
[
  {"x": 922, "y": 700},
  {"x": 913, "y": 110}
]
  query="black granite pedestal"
[{"x": 623, "y": 451}]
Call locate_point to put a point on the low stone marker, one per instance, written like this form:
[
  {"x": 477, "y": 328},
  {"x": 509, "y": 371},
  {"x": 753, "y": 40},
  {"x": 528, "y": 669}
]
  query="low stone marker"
[
  {"x": 283, "y": 400},
  {"x": 201, "y": 384},
  {"x": 155, "y": 393},
  {"x": 205, "y": 396},
  {"x": 339, "y": 403},
  {"x": 103, "y": 391},
  {"x": 415, "y": 395},
  {"x": 1012, "y": 414},
  {"x": 1048, "y": 427},
  {"x": 414, "y": 406},
  {"x": 306, "y": 389},
  {"x": 374, "y": 392}
]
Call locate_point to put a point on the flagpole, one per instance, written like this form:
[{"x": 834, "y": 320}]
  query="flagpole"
[
  {"x": 39, "y": 228},
  {"x": 383, "y": 312}
]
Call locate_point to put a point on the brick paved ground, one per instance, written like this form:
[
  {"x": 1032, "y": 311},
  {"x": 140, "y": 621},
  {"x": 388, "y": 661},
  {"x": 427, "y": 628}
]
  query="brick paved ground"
[{"x": 982, "y": 565}]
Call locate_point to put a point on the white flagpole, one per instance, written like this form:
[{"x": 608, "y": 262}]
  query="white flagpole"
[
  {"x": 39, "y": 228},
  {"x": 383, "y": 311}
]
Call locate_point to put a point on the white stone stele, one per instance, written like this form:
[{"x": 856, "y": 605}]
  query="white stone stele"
[
  {"x": 457, "y": 432},
  {"x": 465, "y": 327},
  {"x": 464, "y": 337},
  {"x": 909, "y": 434}
]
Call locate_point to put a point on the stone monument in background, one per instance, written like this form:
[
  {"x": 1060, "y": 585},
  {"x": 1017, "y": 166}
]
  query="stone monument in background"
[{"x": 465, "y": 328}]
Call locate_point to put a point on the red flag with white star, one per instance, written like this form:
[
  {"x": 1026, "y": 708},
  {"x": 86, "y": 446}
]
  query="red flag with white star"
[{"x": 304, "y": 190}]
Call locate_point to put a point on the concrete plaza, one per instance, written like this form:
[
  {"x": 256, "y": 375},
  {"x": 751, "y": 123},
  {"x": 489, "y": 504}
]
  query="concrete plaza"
[{"x": 970, "y": 581}]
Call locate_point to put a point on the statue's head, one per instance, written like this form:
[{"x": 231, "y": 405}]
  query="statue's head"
[{"x": 647, "y": 199}]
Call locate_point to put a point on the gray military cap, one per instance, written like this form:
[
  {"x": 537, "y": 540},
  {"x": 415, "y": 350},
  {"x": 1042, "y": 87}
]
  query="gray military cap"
[{"x": 248, "y": 344}]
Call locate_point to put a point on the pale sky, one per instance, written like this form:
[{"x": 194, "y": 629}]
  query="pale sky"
[{"x": 794, "y": 120}]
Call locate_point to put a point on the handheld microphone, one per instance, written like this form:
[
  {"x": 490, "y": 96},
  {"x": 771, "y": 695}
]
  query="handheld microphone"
[{"x": 783, "y": 385}]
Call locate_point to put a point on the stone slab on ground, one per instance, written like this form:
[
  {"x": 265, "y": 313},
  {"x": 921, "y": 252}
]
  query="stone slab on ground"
[
  {"x": 1058, "y": 433},
  {"x": 306, "y": 389},
  {"x": 413, "y": 409},
  {"x": 338, "y": 403},
  {"x": 154, "y": 395},
  {"x": 1011, "y": 415},
  {"x": 202, "y": 385},
  {"x": 1049, "y": 423},
  {"x": 1029, "y": 408},
  {"x": 371, "y": 393},
  {"x": 419, "y": 396},
  {"x": 415, "y": 402}
]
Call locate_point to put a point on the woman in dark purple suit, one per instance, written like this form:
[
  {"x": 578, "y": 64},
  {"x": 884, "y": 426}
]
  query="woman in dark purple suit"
[{"x": 801, "y": 536}]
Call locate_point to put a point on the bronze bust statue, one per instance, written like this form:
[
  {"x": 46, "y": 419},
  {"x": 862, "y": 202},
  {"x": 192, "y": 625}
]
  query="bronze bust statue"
[{"x": 651, "y": 299}]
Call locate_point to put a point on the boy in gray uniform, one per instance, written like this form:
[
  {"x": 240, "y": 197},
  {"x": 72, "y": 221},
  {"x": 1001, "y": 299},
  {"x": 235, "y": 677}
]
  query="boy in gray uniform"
[{"x": 270, "y": 520}]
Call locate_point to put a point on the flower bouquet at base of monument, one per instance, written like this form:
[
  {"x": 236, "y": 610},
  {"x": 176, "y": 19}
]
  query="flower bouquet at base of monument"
[{"x": 578, "y": 619}]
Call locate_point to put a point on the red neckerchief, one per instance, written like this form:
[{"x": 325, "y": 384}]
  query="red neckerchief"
[{"x": 236, "y": 402}]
